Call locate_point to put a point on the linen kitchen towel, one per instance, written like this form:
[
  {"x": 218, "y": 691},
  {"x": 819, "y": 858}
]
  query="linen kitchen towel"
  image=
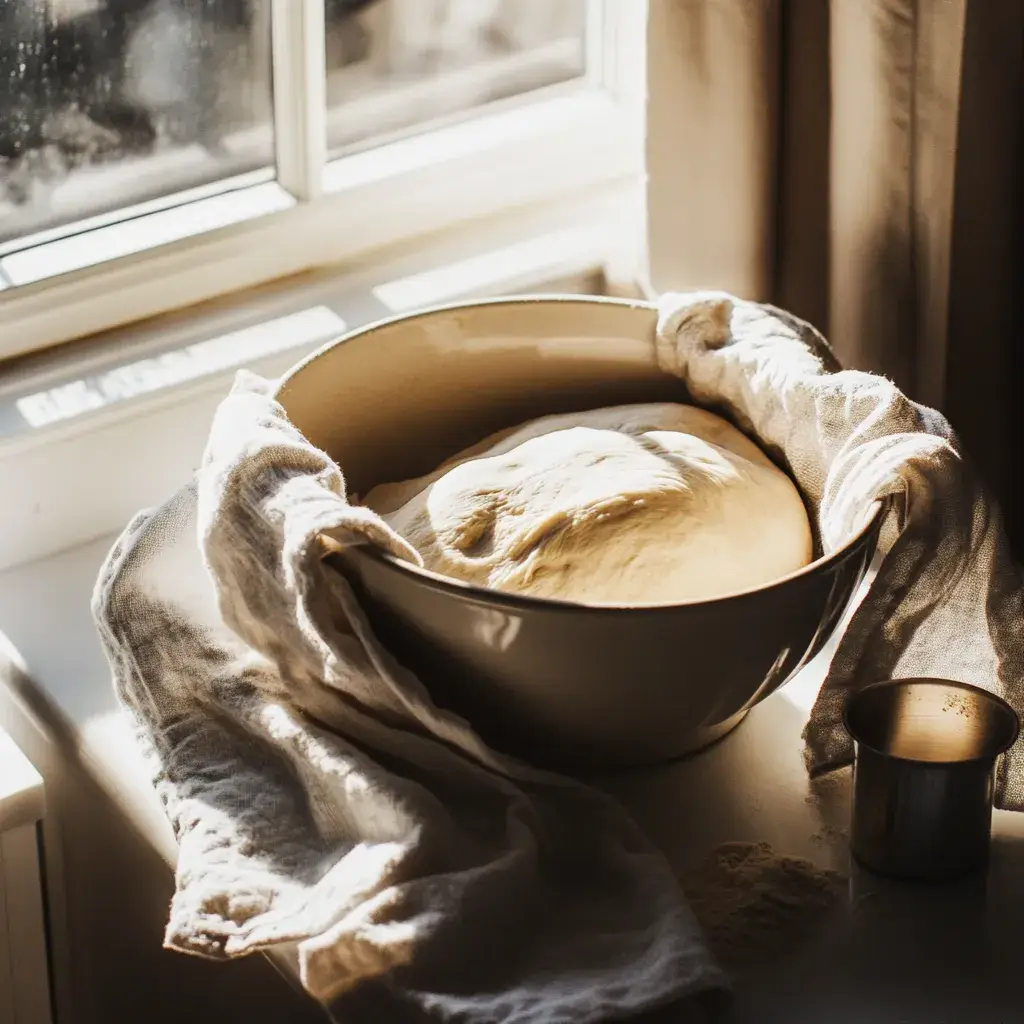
[
  {"x": 948, "y": 598},
  {"x": 320, "y": 798}
]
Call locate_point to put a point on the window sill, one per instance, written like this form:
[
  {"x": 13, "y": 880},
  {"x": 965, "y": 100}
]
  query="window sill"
[{"x": 84, "y": 431}]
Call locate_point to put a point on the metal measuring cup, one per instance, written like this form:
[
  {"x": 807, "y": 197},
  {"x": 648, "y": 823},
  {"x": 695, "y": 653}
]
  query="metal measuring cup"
[{"x": 923, "y": 777}]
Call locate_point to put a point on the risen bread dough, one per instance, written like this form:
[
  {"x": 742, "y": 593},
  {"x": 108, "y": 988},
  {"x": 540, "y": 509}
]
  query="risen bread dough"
[{"x": 628, "y": 505}]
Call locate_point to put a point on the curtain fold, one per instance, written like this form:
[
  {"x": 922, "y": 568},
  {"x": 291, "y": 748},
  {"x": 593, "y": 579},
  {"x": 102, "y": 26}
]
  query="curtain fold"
[{"x": 858, "y": 162}]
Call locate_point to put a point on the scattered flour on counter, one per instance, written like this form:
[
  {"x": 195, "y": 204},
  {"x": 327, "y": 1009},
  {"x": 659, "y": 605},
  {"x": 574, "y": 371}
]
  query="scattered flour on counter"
[
  {"x": 756, "y": 905},
  {"x": 831, "y": 835}
]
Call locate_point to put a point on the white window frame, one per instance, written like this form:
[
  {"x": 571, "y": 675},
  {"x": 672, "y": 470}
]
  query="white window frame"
[{"x": 536, "y": 150}]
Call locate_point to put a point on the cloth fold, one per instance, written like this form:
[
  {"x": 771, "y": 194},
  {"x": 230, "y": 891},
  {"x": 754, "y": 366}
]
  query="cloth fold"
[{"x": 318, "y": 795}]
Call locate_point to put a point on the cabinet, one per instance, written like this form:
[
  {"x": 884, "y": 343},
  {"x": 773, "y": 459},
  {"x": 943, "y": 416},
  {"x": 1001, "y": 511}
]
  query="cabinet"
[{"x": 24, "y": 970}]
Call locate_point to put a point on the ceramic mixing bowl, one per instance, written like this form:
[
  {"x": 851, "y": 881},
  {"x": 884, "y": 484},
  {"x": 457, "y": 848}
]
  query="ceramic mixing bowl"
[{"x": 567, "y": 686}]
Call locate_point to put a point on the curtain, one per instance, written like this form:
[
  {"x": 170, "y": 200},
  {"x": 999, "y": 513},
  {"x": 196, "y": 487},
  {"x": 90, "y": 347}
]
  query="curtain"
[{"x": 858, "y": 162}]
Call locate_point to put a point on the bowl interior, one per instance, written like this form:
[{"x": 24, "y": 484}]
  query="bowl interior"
[{"x": 396, "y": 399}]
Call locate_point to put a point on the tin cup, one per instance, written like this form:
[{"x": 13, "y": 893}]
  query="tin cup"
[{"x": 923, "y": 777}]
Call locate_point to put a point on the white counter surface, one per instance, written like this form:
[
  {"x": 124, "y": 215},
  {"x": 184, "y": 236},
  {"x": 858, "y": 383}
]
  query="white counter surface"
[{"x": 898, "y": 954}]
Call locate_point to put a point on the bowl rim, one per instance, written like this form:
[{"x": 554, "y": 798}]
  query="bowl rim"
[{"x": 462, "y": 590}]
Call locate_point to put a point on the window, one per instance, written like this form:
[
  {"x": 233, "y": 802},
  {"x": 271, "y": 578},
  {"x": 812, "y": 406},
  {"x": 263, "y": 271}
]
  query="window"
[
  {"x": 109, "y": 104},
  {"x": 158, "y": 153},
  {"x": 408, "y": 63}
]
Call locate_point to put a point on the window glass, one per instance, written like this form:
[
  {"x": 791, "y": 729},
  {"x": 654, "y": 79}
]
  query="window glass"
[
  {"x": 109, "y": 103},
  {"x": 396, "y": 65}
]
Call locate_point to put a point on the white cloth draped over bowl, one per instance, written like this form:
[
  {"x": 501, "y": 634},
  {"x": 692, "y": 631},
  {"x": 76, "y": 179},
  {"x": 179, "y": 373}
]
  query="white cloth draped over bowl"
[
  {"x": 320, "y": 798},
  {"x": 948, "y": 598}
]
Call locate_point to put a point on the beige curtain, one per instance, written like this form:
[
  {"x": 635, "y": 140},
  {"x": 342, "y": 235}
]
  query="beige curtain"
[{"x": 858, "y": 162}]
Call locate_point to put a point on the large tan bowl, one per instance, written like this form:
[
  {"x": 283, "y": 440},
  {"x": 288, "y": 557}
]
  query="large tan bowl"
[{"x": 564, "y": 685}]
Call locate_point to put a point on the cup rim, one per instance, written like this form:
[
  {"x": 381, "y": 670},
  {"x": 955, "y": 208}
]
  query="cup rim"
[{"x": 955, "y": 684}]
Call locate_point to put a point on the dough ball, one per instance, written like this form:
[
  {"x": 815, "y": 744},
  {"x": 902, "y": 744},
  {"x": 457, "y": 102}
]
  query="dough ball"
[{"x": 628, "y": 505}]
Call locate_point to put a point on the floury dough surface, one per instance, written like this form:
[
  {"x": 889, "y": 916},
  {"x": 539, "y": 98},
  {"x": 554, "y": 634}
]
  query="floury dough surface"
[{"x": 627, "y": 505}]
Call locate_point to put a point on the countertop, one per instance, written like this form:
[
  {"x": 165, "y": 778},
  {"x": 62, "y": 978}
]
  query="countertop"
[{"x": 892, "y": 954}]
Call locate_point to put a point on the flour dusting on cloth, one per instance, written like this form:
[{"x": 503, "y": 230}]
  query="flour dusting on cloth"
[{"x": 321, "y": 799}]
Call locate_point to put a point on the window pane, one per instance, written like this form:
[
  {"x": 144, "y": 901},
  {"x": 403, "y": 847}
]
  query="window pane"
[
  {"x": 393, "y": 65},
  {"x": 108, "y": 103}
]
